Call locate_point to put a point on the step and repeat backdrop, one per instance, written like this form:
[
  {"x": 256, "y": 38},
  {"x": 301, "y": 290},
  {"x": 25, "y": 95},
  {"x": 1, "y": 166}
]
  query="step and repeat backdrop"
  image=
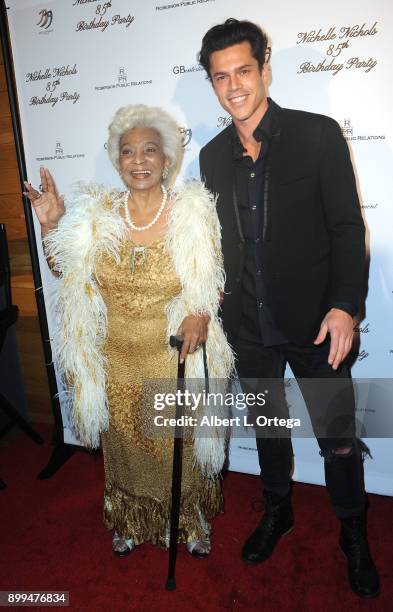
[{"x": 77, "y": 61}]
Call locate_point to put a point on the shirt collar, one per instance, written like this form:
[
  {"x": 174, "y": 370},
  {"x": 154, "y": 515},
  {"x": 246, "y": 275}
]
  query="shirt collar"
[{"x": 263, "y": 131}]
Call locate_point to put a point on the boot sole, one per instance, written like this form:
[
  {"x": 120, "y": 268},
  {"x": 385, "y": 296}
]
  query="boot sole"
[
  {"x": 372, "y": 595},
  {"x": 258, "y": 561}
]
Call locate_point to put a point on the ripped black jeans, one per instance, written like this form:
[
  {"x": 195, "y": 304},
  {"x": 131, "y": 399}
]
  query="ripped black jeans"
[{"x": 343, "y": 472}]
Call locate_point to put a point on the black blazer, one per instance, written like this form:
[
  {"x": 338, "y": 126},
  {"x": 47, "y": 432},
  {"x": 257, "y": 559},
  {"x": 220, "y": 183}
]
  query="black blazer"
[{"x": 313, "y": 238}]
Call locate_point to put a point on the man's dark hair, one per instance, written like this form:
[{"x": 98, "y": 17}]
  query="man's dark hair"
[{"x": 233, "y": 32}]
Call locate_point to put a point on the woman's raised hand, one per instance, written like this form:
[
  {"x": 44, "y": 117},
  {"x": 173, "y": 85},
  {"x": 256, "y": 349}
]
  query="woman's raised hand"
[{"x": 48, "y": 205}]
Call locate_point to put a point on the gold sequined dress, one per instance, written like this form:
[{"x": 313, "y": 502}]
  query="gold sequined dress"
[{"x": 138, "y": 470}]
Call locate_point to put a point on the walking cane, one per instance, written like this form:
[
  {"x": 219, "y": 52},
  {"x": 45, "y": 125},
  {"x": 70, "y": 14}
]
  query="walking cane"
[{"x": 176, "y": 342}]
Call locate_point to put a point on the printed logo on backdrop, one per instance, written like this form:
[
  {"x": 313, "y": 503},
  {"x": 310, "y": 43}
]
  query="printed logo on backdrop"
[
  {"x": 101, "y": 16},
  {"x": 51, "y": 80},
  {"x": 335, "y": 43},
  {"x": 59, "y": 149},
  {"x": 122, "y": 77},
  {"x": 59, "y": 154},
  {"x": 223, "y": 122},
  {"x": 185, "y": 4},
  {"x": 181, "y": 69},
  {"x": 350, "y": 134},
  {"x": 361, "y": 329},
  {"x": 364, "y": 328},
  {"x": 369, "y": 206},
  {"x": 121, "y": 80},
  {"x": 186, "y": 135},
  {"x": 45, "y": 21},
  {"x": 247, "y": 448}
]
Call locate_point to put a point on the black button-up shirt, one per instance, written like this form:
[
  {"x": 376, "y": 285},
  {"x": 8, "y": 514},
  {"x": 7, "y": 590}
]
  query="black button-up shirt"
[{"x": 257, "y": 320}]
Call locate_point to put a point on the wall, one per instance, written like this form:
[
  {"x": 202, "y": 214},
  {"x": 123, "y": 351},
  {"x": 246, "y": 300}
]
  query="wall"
[{"x": 11, "y": 213}]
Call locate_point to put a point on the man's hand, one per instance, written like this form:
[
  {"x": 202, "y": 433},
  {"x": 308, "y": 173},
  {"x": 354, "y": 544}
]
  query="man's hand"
[
  {"x": 339, "y": 324},
  {"x": 194, "y": 331}
]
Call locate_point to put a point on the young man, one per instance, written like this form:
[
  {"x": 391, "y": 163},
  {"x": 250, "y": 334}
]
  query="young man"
[{"x": 293, "y": 244}]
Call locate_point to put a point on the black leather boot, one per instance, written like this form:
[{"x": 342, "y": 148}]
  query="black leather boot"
[
  {"x": 276, "y": 522},
  {"x": 362, "y": 573}
]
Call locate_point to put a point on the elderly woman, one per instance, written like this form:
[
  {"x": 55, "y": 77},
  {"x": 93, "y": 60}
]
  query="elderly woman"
[{"x": 134, "y": 268}]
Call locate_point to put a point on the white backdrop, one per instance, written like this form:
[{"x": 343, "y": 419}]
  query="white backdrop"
[{"x": 77, "y": 61}]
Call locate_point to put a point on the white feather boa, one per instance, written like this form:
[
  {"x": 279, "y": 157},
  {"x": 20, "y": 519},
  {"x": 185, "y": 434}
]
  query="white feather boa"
[{"x": 92, "y": 225}]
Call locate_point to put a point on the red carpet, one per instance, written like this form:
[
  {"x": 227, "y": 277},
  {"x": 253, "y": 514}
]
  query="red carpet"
[{"x": 52, "y": 538}]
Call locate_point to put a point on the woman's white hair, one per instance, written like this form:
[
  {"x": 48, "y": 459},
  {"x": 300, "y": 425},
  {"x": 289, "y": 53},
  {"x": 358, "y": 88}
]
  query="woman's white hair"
[{"x": 140, "y": 115}]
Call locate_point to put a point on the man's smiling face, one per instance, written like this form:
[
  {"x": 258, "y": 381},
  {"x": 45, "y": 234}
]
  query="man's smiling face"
[{"x": 238, "y": 81}]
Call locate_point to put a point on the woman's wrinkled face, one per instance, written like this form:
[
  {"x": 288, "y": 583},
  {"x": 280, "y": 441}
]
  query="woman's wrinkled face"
[{"x": 141, "y": 158}]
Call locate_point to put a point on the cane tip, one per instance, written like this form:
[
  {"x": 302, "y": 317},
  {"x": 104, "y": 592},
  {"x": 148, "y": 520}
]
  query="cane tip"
[{"x": 170, "y": 584}]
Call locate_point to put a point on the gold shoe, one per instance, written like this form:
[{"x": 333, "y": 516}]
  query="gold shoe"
[
  {"x": 199, "y": 549},
  {"x": 122, "y": 546}
]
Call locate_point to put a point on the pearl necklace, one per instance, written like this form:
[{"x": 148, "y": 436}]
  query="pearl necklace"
[{"x": 142, "y": 228}]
